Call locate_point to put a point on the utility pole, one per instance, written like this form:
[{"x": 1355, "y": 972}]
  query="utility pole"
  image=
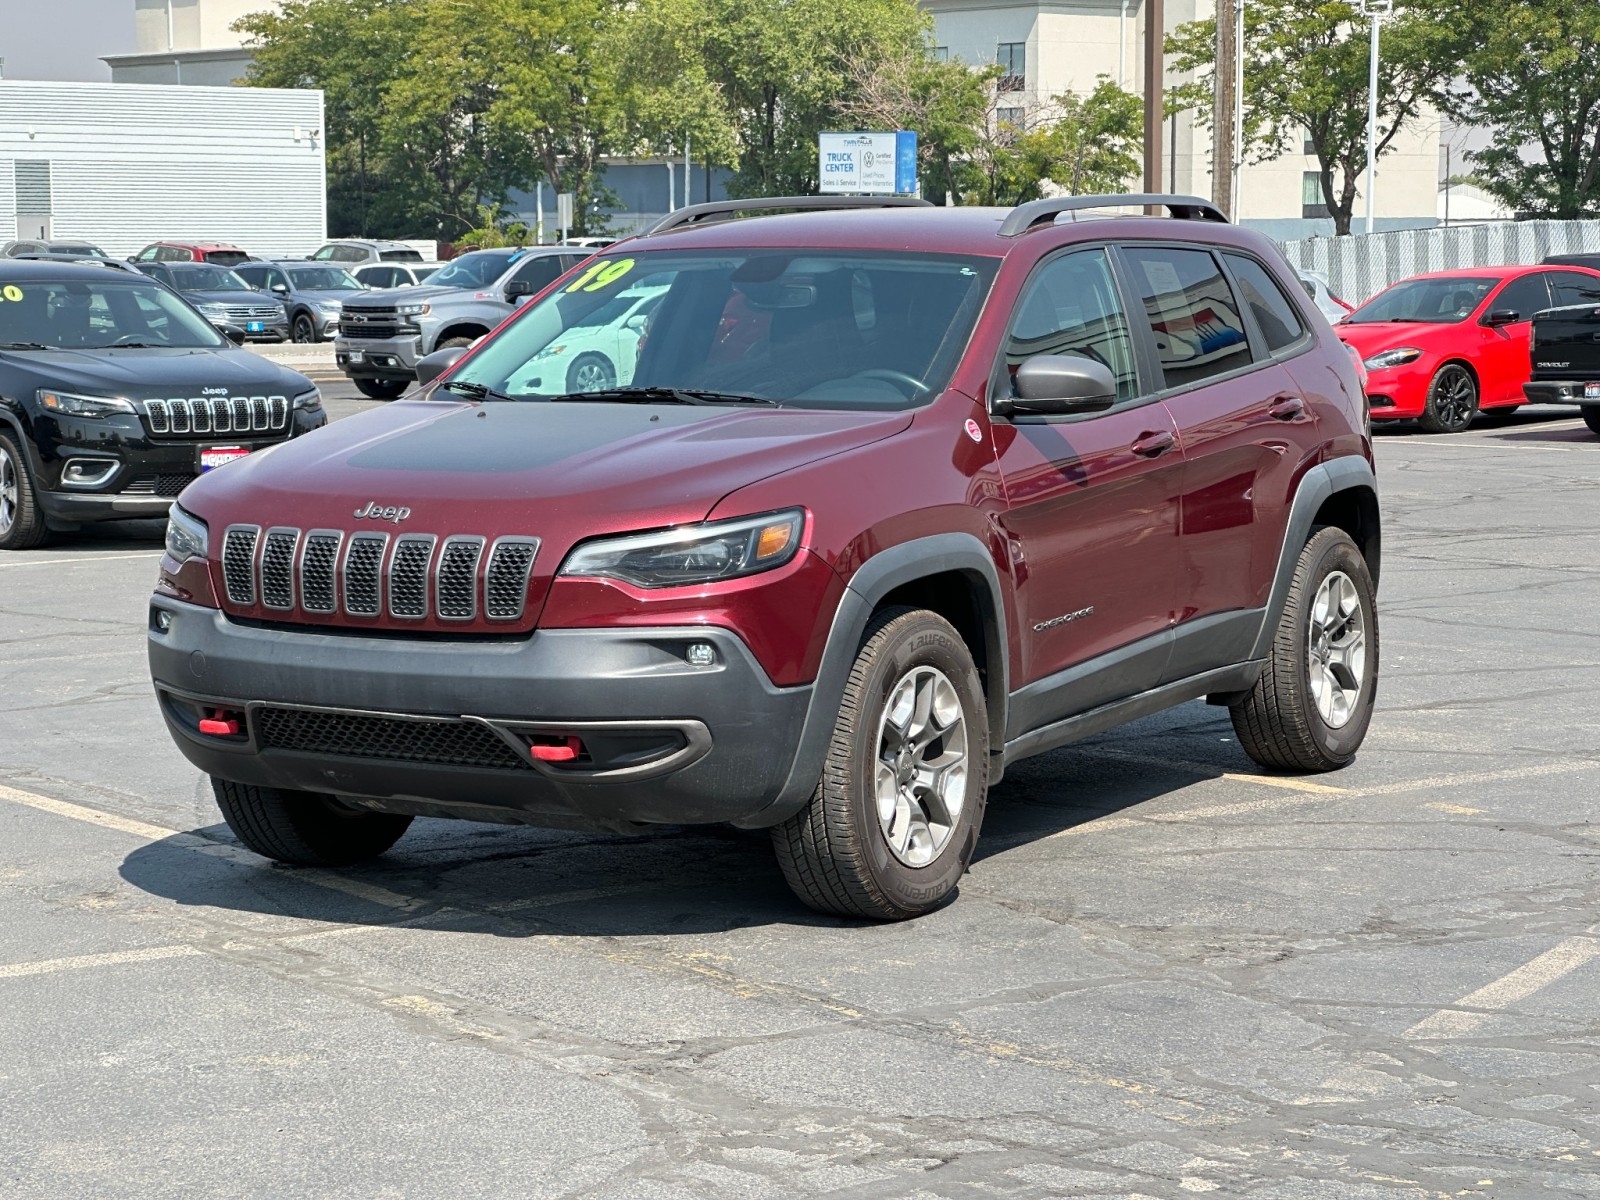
[
  {"x": 1224, "y": 82},
  {"x": 1155, "y": 73},
  {"x": 1376, "y": 10}
]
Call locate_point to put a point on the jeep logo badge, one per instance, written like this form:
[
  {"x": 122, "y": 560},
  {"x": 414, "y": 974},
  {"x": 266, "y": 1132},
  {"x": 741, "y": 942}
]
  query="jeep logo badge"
[{"x": 378, "y": 512}]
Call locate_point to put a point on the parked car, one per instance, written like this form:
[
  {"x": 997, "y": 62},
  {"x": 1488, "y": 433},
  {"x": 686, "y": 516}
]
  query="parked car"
[
  {"x": 1592, "y": 261},
  {"x": 224, "y": 298},
  {"x": 68, "y": 249},
  {"x": 312, "y": 293},
  {"x": 1329, "y": 305},
  {"x": 1566, "y": 358},
  {"x": 1441, "y": 348},
  {"x": 222, "y": 254},
  {"x": 596, "y": 353},
  {"x": 383, "y": 334},
  {"x": 394, "y": 275},
  {"x": 114, "y": 264},
  {"x": 590, "y": 243},
  {"x": 349, "y": 252},
  {"x": 100, "y": 420},
  {"x": 971, "y": 485}
]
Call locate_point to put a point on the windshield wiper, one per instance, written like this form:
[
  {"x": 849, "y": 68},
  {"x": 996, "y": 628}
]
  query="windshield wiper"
[
  {"x": 474, "y": 391},
  {"x": 130, "y": 346},
  {"x": 23, "y": 346},
  {"x": 666, "y": 395}
]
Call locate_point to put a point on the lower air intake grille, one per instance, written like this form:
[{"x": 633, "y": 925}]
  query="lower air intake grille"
[{"x": 448, "y": 743}]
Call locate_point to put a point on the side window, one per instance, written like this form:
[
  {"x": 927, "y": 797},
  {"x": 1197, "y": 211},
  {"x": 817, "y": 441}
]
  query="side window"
[
  {"x": 377, "y": 277},
  {"x": 1275, "y": 315},
  {"x": 1199, "y": 332},
  {"x": 148, "y": 254},
  {"x": 323, "y": 254},
  {"x": 1524, "y": 296},
  {"x": 1572, "y": 287},
  {"x": 256, "y": 277},
  {"x": 1071, "y": 306},
  {"x": 541, "y": 271},
  {"x": 277, "y": 279}
]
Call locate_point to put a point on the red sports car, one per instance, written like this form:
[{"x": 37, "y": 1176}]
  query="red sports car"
[{"x": 1440, "y": 348}]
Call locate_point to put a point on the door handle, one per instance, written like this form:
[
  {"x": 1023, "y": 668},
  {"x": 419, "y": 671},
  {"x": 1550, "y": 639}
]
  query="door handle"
[
  {"x": 1153, "y": 445},
  {"x": 1287, "y": 408}
]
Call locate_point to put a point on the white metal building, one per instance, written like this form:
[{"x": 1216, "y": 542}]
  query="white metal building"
[{"x": 123, "y": 165}]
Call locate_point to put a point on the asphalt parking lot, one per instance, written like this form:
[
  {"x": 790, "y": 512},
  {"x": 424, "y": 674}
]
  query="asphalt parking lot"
[{"x": 1165, "y": 975}]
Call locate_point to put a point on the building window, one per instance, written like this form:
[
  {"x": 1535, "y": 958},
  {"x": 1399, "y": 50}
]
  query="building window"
[
  {"x": 1013, "y": 60},
  {"x": 941, "y": 54},
  {"x": 1312, "y": 204},
  {"x": 1008, "y": 124},
  {"x": 1309, "y": 149}
]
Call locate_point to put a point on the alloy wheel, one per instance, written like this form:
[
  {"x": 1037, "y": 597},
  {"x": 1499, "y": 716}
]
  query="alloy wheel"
[
  {"x": 1336, "y": 643},
  {"x": 10, "y": 490},
  {"x": 920, "y": 775},
  {"x": 304, "y": 330},
  {"x": 592, "y": 376},
  {"x": 1456, "y": 398}
]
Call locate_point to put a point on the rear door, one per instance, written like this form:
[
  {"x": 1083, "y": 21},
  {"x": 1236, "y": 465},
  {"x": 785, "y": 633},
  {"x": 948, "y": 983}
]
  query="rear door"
[{"x": 1505, "y": 354}]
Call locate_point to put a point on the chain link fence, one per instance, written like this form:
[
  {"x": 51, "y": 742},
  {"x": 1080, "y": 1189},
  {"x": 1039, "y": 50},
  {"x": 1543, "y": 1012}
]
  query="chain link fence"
[{"x": 1361, "y": 266}]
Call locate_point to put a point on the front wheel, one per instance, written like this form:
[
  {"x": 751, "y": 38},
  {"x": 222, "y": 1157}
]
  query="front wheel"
[
  {"x": 1452, "y": 400},
  {"x": 306, "y": 829},
  {"x": 22, "y": 524},
  {"x": 304, "y": 329},
  {"x": 591, "y": 373},
  {"x": 382, "y": 389},
  {"x": 1591, "y": 417},
  {"x": 1310, "y": 709},
  {"x": 892, "y": 825}
]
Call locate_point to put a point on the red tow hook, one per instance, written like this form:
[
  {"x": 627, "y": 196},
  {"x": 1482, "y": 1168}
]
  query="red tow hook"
[
  {"x": 220, "y": 723},
  {"x": 566, "y": 750}
]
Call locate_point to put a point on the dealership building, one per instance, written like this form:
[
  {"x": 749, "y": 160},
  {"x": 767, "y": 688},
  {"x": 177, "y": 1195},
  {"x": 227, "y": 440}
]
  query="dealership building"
[{"x": 122, "y": 165}]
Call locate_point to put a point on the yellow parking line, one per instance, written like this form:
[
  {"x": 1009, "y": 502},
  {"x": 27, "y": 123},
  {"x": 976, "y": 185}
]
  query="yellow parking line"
[
  {"x": 1475, "y": 1008},
  {"x": 78, "y": 962}
]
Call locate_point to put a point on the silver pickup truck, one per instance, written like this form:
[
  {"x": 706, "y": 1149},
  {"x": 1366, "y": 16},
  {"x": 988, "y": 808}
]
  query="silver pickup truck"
[{"x": 382, "y": 334}]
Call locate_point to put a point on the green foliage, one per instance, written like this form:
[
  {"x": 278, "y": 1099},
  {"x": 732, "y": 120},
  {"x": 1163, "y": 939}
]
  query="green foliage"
[
  {"x": 1306, "y": 76},
  {"x": 1532, "y": 76}
]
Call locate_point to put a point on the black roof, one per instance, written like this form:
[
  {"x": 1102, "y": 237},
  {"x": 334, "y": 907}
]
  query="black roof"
[{"x": 19, "y": 270}]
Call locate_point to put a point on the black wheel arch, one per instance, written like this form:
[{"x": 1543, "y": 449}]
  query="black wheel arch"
[{"x": 468, "y": 331}]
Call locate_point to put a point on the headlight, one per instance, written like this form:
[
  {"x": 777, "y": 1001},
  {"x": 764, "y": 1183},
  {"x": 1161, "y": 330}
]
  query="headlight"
[
  {"x": 213, "y": 312},
  {"x": 309, "y": 401},
  {"x": 411, "y": 310},
  {"x": 186, "y": 535},
  {"x": 83, "y": 406},
  {"x": 1398, "y": 357},
  {"x": 330, "y": 306},
  {"x": 693, "y": 554}
]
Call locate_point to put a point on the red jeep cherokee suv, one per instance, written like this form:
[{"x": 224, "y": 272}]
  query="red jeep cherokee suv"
[{"x": 867, "y": 505}]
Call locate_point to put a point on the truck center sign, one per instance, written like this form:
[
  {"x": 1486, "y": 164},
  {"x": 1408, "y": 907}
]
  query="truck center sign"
[{"x": 867, "y": 163}]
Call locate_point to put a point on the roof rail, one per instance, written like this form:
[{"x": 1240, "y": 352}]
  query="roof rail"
[
  {"x": 1044, "y": 212},
  {"x": 722, "y": 210}
]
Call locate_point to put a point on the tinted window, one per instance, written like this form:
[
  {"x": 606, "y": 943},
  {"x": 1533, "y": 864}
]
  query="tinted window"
[
  {"x": 1524, "y": 296},
  {"x": 202, "y": 277},
  {"x": 1071, "y": 306},
  {"x": 541, "y": 271},
  {"x": 1199, "y": 332},
  {"x": 1275, "y": 316},
  {"x": 378, "y": 277},
  {"x": 477, "y": 269},
  {"x": 323, "y": 279},
  {"x": 400, "y": 256},
  {"x": 256, "y": 277},
  {"x": 1570, "y": 287},
  {"x": 106, "y": 312}
]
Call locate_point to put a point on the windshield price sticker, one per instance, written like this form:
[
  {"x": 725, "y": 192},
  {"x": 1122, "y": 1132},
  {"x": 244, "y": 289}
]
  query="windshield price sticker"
[
  {"x": 11, "y": 292},
  {"x": 600, "y": 276}
]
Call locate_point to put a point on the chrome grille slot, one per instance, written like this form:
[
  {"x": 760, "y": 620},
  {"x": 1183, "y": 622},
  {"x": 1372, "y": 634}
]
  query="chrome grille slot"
[
  {"x": 456, "y": 586},
  {"x": 202, "y": 416},
  {"x": 160, "y": 421},
  {"x": 319, "y": 559},
  {"x": 199, "y": 415},
  {"x": 258, "y": 414},
  {"x": 239, "y": 563},
  {"x": 241, "y": 413},
  {"x": 408, "y": 575},
  {"x": 363, "y": 566},
  {"x": 277, "y": 411},
  {"x": 277, "y": 568},
  {"x": 180, "y": 416},
  {"x": 506, "y": 580},
  {"x": 221, "y": 415}
]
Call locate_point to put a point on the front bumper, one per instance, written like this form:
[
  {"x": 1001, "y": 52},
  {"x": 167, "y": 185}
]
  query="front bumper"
[
  {"x": 688, "y": 744},
  {"x": 378, "y": 358},
  {"x": 1548, "y": 392}
]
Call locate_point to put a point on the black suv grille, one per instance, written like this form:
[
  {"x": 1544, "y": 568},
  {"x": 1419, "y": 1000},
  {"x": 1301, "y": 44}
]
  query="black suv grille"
[
  {"x": 444, "y": 742},
  {"x": 373, "y": 323},
  {"x": 202, "y": 417},
  {"x": 167, "y": 484}
]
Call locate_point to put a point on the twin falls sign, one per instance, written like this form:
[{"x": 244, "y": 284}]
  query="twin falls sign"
[{"x": 867, "y": 163}]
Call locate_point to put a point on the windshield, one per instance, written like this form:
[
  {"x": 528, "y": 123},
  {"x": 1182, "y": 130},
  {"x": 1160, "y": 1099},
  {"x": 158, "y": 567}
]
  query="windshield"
[
  {"x": 808, "y": 328},
  {"x": 200, "y": 278},
  {"x": 82, "y": 315},
  {"x": 476, "y": 270},
  {"x": 1424, "y": 301},
  {"x": 324, "y": 279}
]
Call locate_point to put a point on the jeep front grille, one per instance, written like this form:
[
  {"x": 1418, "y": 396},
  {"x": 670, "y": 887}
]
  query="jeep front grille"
[
  {"x": 411, "y": 577},
  {"x": 202, "y": 416}
]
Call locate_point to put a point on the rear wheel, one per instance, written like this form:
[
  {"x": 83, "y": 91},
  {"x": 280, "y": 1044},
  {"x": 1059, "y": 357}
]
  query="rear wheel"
[
  {"x": 307, "y": 829},
  {"x": 1452, "y": 400},
  {"x": 1591, "y": 417},
  {"x": 893, "y": 823},
  {"x": 382, "y": 389},
  {"x": 22, "y": 524}
]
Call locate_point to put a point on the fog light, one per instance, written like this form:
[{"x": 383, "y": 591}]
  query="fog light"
[
  {"x": 161, "y": 620},
  {"x": 701, "y": 654},
  {"x": 87, "y": 472}
]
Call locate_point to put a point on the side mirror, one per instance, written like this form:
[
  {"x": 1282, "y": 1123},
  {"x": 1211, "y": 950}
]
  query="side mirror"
[
  {"x": 431, "y": 366},
  {"x": 280, "y": 289},
  {"x": 1502, "y": 316},
  {"x": 1061, "y": 384},
  {"x": 637, "y": 322},
  {"x": 233, "y": 333},
  {"x": 519, "y": 289}
]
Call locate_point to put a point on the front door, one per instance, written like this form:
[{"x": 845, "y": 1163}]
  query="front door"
[
  {"x": 1505, "y": 351},
  {"x": 1091, "y": 512}
]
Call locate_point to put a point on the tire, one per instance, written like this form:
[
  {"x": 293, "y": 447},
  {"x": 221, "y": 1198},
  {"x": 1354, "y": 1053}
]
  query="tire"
[
  {"x": 1591, "y": 417},
  {"x": 1298, "y": 717},
  {"x": 1452, "y": 400},
  {"x": 452, "y": 343},
  {"x": 306, "y": 829},
  {"x": 382, "y": 389},
  {"x": 22, "y": 524},
  {"x": 591, "y": 373},
  {"x": 837, "y": 854},
  {"x": 303, "y": 330}
]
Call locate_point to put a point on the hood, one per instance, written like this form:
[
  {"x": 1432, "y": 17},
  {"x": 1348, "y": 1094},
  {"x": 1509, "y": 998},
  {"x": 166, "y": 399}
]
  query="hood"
[
  {"x": 559, "y": 472},
  {"x": 321, "y": 296},
  {"x": 251, "y": 297},
  {"x": 389, "y": 297},
  {"x": 1371, "y": 337},
  {"x": 143, "y": 374}
]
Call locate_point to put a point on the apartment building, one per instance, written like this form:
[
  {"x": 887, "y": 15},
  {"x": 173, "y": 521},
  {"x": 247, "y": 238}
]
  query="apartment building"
[{"x": 185, "y": 42}]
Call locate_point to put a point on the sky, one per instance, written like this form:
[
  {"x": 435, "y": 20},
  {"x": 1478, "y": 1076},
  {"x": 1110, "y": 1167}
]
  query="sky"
[{"x": 63, "y": 39}]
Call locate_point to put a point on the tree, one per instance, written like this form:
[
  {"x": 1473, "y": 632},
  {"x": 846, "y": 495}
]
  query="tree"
[
  {"x": 1307, "y": 78},
  {"x": 1530, "y": 77}
]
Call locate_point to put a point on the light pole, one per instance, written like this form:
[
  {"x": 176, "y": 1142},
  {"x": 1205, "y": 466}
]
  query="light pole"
[{"x": 1376, "y": 10}]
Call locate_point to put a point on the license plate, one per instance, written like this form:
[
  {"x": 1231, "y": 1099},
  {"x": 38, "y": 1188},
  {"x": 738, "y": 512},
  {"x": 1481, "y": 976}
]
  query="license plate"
[
  {"x": 255, "y": 326},
  {"x": 212, "y": 457},
  {"x": 1591, "y": 391},
  {"x": 357, "y": 356}
]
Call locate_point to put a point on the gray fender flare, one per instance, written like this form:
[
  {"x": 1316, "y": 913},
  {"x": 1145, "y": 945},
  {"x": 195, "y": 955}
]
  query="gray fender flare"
[
  {"x": 1321, "y": 482},
  {"x": 875, "y": 579}
]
